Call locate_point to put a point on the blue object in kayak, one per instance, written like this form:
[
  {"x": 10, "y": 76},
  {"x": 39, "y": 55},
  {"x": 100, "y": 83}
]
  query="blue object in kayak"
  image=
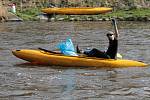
[{"x": 67, "y": 47}]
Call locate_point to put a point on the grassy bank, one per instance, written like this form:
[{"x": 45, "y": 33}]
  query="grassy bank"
[
  {"x": 29, "y": 14},
  {"x": 125, "y": 15},
  {"x": 130, "y": 15}
]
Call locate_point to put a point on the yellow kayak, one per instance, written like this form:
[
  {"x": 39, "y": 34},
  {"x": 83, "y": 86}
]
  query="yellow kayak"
[
  {"x": 49, "y": 58},
  {"x": 77, "y": 11}
]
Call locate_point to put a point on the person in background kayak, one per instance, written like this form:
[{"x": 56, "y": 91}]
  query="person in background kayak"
[{"x": 112, "y": 48}]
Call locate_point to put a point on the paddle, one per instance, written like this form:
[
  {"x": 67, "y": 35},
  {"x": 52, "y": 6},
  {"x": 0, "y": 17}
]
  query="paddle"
[
  {"x": 49, "y": 51},
  {"x": 114, "y": 23}
]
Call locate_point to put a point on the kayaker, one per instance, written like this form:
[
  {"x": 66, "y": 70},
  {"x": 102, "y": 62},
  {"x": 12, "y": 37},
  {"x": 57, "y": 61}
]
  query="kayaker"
[{"x": 112, "y": 48}]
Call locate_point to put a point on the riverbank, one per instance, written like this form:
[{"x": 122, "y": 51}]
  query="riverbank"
[
  {"x": 142, "y": 14},
  {"x": 139, "y": 10}
]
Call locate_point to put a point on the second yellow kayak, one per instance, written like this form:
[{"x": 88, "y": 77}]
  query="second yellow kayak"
[{"x": 77, "y": 11}]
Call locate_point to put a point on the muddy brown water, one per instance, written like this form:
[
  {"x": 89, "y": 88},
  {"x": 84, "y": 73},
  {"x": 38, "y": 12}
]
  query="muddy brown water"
[{"x": 19, "y": 81}]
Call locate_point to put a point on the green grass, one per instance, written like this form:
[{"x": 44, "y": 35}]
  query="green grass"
[
  {"x": 129, "y": 13},
  {"x": 28, "y": 14}
]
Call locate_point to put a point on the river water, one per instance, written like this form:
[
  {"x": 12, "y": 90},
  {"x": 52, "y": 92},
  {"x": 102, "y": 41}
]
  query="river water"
[{"x": 19, "y": 81}]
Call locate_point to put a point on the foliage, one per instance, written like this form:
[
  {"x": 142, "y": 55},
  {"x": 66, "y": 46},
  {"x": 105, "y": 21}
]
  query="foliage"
[
  {"x": 29, "y": 14},
  {"x": 129, "y": 13}
]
